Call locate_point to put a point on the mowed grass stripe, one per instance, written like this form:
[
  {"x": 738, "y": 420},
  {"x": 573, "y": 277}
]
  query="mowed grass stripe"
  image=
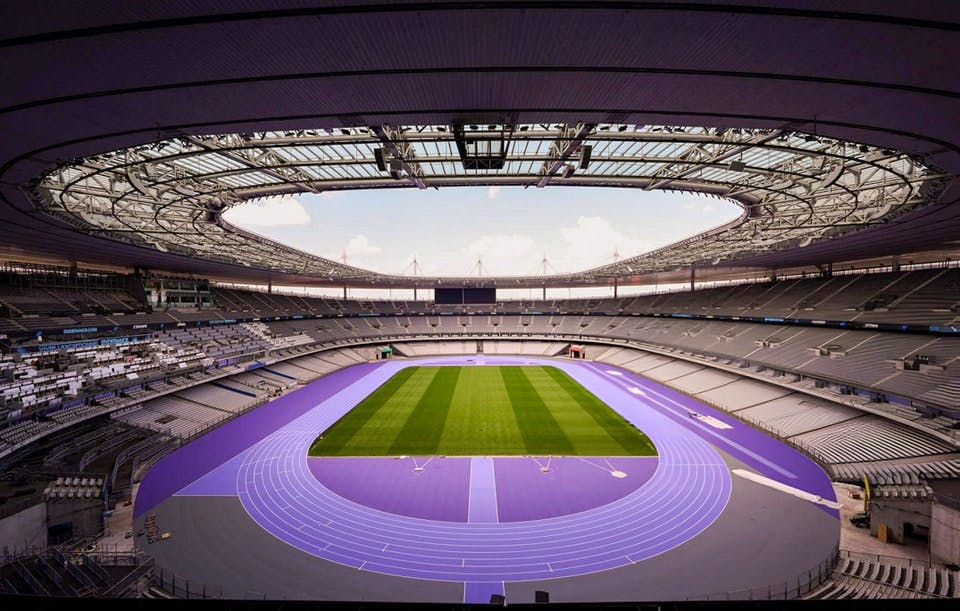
[
  {"x": 611, "y": 423},
  {"x": 424, "y": 426},
  {"x": 338, "y": 435},
  {"x": 379, "y": 432},
  {"x": 540, "y": 430},
  {"x": 586, "y": 436},
  {"x": 470, "y": 411},
  {"x": 481, "y": 420}
]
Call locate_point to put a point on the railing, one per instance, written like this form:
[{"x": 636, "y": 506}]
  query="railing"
[
  {"x": 180, "y": 587},
  {"x": 140, "y": 571},
  {"x": 70, "y": 556}
]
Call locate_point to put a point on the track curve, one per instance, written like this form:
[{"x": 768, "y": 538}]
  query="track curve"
[{"x": 686, "y": 494}]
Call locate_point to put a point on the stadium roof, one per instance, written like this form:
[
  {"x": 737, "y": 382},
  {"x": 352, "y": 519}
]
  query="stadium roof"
[{"x": 840, "y": 145}]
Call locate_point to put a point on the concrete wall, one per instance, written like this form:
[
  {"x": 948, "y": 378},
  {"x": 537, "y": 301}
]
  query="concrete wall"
[
  {"x": 945, "y": 534},
  {"x": 894, "y": 514},
  {"x": 85, "y": 515},
  {"x": 24, "y": 530}
]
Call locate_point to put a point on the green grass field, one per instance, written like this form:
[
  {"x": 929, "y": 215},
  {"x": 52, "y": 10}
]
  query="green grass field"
[{"x": 467, "y": 411}]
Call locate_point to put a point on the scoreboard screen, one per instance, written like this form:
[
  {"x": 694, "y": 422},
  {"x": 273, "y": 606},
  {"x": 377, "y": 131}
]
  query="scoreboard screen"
[{"x": 465, "y": 296}]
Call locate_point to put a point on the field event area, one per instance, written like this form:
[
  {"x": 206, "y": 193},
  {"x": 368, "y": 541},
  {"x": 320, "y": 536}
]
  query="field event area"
[{"x": 466, "y": 411}]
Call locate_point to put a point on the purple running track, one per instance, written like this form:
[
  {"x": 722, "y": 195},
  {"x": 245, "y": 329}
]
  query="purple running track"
[
  {"x": 685, "y": 493},
  {"x": 279, "y": 491},
  {"x": 195, "y": 459},
  {"x": 767, "y": 455}
]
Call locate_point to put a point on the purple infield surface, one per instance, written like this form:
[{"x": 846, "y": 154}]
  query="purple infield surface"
[
  {"x": 481, "y": 521},
  {"x": 444, "y": 489}
]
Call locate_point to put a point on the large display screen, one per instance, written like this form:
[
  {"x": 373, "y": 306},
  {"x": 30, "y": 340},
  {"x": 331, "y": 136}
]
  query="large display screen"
[{"x": 462, "y": 296}]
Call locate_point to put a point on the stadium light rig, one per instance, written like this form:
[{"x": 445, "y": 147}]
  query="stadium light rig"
[{"x": 483, "y": 149}]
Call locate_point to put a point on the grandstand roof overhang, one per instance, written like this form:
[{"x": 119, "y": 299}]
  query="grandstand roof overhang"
[
  {"x": 794, "y": 188},
  {"x": 833, "y": 153}
]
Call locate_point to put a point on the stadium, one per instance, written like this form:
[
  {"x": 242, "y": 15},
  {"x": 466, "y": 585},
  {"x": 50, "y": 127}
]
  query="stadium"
[{"x": 766, "y": 409}]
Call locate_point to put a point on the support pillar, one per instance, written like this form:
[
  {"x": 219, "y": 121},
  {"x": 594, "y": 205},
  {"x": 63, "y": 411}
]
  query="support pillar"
[
  {"x": 544, "y": 292},
  {"x": 269, "y": 286},
  {"x": 344, "y": 292},
  {"x": 693, "y": 278},
  {"x": 414, "y": 293},
  {"x": 895, "y": 263},
  {"x": 615, "y": 288}
]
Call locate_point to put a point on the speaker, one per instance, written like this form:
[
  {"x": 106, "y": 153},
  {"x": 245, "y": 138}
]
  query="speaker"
[
  {"x": 378, "y": 158},
  {"x": 737, "y": 166},
  {"x": 585, "y": 153},
  {"x": 541, "y": 597},
  {"x": 568, "y": 170},
  {"x": 396, "y": 169},
  {"x": 498, "y": 599}
]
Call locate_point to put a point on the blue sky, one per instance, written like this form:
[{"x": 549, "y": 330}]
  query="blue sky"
[{"x": 511, "y": 229}]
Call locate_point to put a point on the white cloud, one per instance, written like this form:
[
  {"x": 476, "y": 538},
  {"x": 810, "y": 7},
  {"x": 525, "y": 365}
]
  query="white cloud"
[
  {"x": 593, "y": 240},
  {"x": 359, "y": 246},
  {"x": 501, "y": 254},
  {"x": 493, "y": 192},
  {"x": 270, "y": 212}
]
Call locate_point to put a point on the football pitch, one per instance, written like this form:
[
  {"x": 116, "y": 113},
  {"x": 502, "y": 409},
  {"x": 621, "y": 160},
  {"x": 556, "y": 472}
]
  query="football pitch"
[{"x": 487, "y": 411}]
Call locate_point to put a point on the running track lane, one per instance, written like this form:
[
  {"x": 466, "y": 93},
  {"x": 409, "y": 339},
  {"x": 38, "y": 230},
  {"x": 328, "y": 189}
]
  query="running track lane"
[{"x": 685, "y": 495}]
